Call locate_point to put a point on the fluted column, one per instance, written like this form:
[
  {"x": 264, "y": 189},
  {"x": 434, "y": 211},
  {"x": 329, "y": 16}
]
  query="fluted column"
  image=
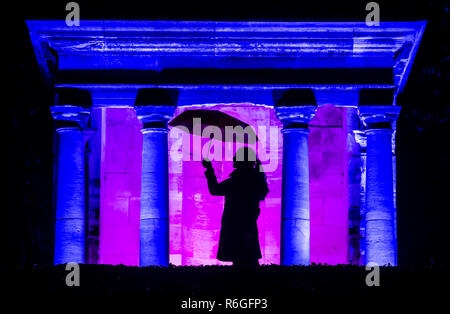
[
  {"x": 70, "y": 189},
  {"x": 154, "y": 217},
  {"x": 380, "y": 239},
  {"x": 361, "y": 139},
  {"x": 295, "y": 214}
]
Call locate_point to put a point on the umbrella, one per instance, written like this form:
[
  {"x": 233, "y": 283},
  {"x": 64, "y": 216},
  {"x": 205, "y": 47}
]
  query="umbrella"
[{"x": 214, "y": 118}]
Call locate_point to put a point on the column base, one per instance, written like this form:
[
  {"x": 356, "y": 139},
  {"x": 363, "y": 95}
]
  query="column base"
[
  {"x": 69, "y": 241},
  {"x": 295, "y": 242},
  {"x": 154, "y": 246}
]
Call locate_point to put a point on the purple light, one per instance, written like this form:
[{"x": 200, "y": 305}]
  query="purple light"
[
  {"x": 195, "y": 215},
  {"x": 120, "y": 200},
  {"x": 328, "y": 168}
]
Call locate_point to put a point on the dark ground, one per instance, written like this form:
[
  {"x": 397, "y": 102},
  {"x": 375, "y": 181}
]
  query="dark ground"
[
  {"x": 284, "y": 287},
  {"x": 422, "y": 150}
]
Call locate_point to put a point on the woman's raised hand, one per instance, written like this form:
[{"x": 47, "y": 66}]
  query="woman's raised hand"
[{"x": 207, "y": 164}]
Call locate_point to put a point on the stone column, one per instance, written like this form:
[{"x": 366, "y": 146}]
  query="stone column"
[
  {"x": 70, "y": 189},
  {"x": 354, "y": 185},
  {"x": 361, "y": 139},
  {"x": 394, "y": 175},
  {"x": 154, "y": 217},
  {"x": 381, "y": 243},
  {"x": 295, "y": 216}
]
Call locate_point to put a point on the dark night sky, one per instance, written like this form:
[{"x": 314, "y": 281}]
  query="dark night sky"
[{"x": 422, "y": 146}]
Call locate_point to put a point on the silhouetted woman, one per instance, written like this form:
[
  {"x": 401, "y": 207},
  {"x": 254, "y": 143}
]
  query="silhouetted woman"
[{"x": 243, "y": 191}]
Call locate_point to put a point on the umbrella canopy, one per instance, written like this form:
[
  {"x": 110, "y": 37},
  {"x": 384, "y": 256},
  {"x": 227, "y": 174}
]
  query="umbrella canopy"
[{"x": 215, "y": 118}]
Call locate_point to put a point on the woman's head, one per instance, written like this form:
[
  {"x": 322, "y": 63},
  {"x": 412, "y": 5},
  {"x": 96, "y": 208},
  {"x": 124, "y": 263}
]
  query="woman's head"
[{"x": 245, "y": 158}]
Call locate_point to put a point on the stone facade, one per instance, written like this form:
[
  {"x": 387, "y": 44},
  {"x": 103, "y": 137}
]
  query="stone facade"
[{"x": 207, "y": 62}]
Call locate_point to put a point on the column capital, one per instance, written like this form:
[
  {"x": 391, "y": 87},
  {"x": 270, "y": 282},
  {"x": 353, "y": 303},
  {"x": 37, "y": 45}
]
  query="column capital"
[
  {"x": 378, "y": 117},
  {"x": 72, "y": 107},
  {"x": 295, "y": 115},
  {"x": 155, "y": 116},
  {"x": 360, "y": 138},
  {"x": 70, "y": 116},
  {"x": 156, "y": 106},
  {"x": 295, "y": 108}
]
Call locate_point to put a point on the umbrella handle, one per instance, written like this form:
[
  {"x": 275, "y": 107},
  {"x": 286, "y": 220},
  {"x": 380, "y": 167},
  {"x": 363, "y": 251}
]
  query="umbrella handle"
[{"x": 209, "y": 147}]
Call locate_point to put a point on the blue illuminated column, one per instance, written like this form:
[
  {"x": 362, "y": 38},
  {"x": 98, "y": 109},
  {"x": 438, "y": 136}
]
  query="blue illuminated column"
[
  {"x": 154, "y": 218},
  {"x": 70, "y": 189},
  {"x": 380, "y": 237},
  {"x": 361, "y": 139},
  {"x": 295, "y": 217}
]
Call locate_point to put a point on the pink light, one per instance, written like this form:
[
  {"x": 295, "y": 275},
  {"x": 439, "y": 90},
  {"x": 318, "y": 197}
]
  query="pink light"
[
  {"x": 120, "y": 185},
  {"x": 195, "y": 215},
  {"x": 328, "y": 162}
]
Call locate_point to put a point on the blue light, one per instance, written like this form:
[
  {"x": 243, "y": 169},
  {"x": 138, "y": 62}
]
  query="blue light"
[
  {"x": 381, "y": 246},
  {"x": 70, "y": 200},
  {"x": 295, "y": 219},
  {"x": 162, "y": 45}
]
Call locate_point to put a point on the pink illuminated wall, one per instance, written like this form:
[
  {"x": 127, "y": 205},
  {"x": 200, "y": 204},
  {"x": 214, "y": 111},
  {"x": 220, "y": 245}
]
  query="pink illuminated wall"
[
  {"x": 328, "y": 160},
  {"x": 195, "y": 215},
  {"x": 120, "y": 184}
]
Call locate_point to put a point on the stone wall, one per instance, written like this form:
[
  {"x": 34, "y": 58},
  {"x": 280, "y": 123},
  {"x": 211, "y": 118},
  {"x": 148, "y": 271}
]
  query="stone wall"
[
  {"x": 195, "y": 215},
  {"x": 121, "y": 163}
]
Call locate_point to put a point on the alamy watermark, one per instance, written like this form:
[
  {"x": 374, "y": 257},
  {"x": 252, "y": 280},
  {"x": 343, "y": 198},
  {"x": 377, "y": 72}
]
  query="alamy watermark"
[
  {"x": 373, "y": 17},
  {"x": 223, "y": 143},
  {"x": 373, "y": 277},
  {"x": 73, "y": 277},
  {"x": 73, "y": 17}
]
